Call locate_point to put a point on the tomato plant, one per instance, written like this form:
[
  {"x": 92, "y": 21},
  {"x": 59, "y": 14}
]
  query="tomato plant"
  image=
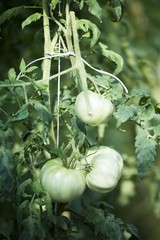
[
  {"x": 55, "y": 103},
  {"x": 94, "y": 112},
  {"x": 62, "y": 184}
]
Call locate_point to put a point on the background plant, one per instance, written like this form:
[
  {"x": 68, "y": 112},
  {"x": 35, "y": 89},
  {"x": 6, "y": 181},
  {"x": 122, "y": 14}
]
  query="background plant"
[{"x": 38, "y": 119}]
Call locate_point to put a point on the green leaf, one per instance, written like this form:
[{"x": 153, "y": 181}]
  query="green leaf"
[
  {"x": 118, "y": 9},
  {"x": 22, "y": 66},
  {"x": 94, "y": 215},
  {"x": 32, "y": 226},
  {"x": 87, "y": 27},
  {"x": 147, "y": 112},
  {"x": 22, "y": 188},
  {"x": 37, "y": 188},
  {"x": 124, "y": 113},
  {"x": 156, "y": 130},
  {"x": 31, "y": 69},
  {"x": 112, "y": 228},
  {"x": 12, "y": 74},
  {"x": 94, "y": 8},
  {"x": 49, "y": 211},
  {"x": 58, "y": 152},
  {"x": 145, "y": 150},
  {"x": 13, "y": 12},
  {"x": 6, "y": 167},
  {"x": 41, "y": 86},
  {"x": 22, "y": 114},
  {"x": 112, "y": 56},
  {"x": 133, "y": 230},
  {"x": 24, "y": 205},
  {"x": 32, "y": 18},
  {"x": 80, "y": 3},
  {"x": 8, "y": 138},
  {"x": 139, "y": 93},
  {"x": 43, "y": 113},
  {"x": 54, "y": 3}
]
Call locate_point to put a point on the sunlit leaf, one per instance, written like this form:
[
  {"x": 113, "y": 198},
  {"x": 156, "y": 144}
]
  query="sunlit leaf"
[
  {"x": 12, "y": 74},
  {"x": 41, "y": 86},
  {"x": 114, "y": 57},
  {"x": 32, "y": 18},
  {"x": 54, "y": 3},
  {"x": 37, "y": 188},
  {"x": 22, "y": 66},
  {"x": 31, "y": 69},
  {"x": 87, "y": 27}
]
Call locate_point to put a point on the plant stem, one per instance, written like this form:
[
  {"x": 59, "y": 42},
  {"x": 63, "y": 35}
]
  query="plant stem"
[
  {"x": 47, "y": 65},
  {"x": 47, "y": 41},
  {"x": 79, "y": 63},
  {"x": 69, "y": 35}
]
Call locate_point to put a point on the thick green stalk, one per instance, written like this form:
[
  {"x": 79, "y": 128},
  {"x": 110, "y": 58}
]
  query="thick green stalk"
[
  {"x": 79, "y": 63},
  {"x": 47, "y": 42},
  {"x": 72, "y": 35},
  {"x": 47, "y": 64},
  {"x": 69, "y": 35}
]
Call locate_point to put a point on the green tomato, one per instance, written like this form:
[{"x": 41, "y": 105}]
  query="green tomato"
[
  {"x": 100, "y": 108},
  {"x": 106, "y": 169},
  {"x": 61, "y": 183}
]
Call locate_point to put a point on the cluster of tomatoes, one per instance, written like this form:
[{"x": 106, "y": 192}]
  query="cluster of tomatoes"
[{"x": 100, "y": 169}]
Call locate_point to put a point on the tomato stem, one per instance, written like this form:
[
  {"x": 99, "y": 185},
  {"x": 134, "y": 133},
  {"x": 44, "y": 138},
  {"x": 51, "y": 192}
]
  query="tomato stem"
[
  {"x": 47, "y": 65},
  {"x": 79, "y": 63}
]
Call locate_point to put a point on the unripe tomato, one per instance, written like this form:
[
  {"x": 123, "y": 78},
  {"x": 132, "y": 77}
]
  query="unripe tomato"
[
  {"x": 100, "y": 108},
  {"x": 61, "y": 183},
  {"x": 106, "y": 169}
]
